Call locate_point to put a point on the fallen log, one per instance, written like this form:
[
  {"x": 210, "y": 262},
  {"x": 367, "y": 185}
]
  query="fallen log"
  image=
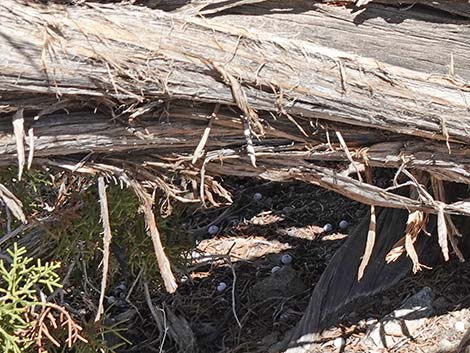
[
  {"x": 318, "y": 92},
  {"x": 58, "y": 59},
  {"x": 105, "y": 53}
]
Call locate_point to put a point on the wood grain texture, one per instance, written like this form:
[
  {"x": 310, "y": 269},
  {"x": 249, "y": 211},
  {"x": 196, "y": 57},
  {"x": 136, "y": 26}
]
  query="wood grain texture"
[
  {"x": 132, "y": 88},
  {"x": 109, "y": 79},
  {"x": 372, "y": 75}
]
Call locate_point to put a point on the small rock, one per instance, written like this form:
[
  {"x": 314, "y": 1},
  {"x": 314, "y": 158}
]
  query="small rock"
[
  {"x": 459, "y": 326},
  {"x": 213, "y": 229},
  {"x": 339, "y": 342},
  {"x": 221, "y": 287},
  {"x": 121, "y": 287},
  {"x": 275, "y": 269},
  {"x": 445, "y": 345},
  {"x": 417, "y": 306},
  {"x": 257, "y": 196},
  {"x": 286, "y": 259},
  {"x": 327, "y": 228},
  {"x": 404, "y": 321},
  {"x": 343, "y": 224}
]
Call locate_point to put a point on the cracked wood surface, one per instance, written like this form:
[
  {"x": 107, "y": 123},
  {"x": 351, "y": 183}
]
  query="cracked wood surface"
[
  {"x": 127, "y": 83},
  {"x": 377, "y": 74},
  {"x": 380, "y": 76}
]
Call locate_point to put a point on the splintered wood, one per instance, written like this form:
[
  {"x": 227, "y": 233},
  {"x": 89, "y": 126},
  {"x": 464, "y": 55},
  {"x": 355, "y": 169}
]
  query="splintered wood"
[{"x": 133, "y": 87}]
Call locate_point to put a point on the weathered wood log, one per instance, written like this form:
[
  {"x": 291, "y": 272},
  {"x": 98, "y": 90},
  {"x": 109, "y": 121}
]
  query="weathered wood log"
[
  {"x": 104, "y": 88},
  {"x": 100, "y": 56},
  {"x": 104, "y": 51}
]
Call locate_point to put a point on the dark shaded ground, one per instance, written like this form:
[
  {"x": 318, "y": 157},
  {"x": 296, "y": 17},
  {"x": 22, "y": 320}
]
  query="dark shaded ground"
[{"x": 252, "y": 237}]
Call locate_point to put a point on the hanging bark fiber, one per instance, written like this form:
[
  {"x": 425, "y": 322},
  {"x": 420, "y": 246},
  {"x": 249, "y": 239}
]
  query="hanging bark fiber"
[{"x": 314, "y": 91}]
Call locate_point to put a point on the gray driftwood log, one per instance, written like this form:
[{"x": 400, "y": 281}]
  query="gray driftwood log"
[
  {"x": 394, "y": 85},
  {"x": 311, "y": 91}
]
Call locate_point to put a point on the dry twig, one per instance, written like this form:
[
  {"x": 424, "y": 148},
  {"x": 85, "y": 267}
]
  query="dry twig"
[
  {"x": 369, "y": 244},
  {"x": 106, "y": 243},
  {"x": 18, "y": 130}
]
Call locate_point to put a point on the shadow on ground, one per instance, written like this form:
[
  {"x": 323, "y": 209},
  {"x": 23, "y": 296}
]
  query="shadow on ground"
[{"x": 229, "y": 299}]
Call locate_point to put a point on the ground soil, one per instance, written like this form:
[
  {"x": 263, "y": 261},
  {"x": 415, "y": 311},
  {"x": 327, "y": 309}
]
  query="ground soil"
[{"x": 258, "y": 307}]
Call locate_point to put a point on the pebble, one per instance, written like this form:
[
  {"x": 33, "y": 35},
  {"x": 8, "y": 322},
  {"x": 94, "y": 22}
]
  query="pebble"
[
  {"x": 445, "y": 345},
  {"x": 275, "y": 269},
  {"x": 327, "y": 228},
  {"x": 339, "y": 342},
  {"x": 257, "y": 196},
  {"x": 460, "y": 326},
  {"x": 343, "y": 224},
  {"x": 213, "y": 229},
  {"x": 286, "y": 259},
  {"x": 221, "y": 287}
]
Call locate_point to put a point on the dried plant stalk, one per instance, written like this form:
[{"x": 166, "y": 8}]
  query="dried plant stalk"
[
  {"x": 369, "y": 244},
  {"x": 107, "y": 235}
]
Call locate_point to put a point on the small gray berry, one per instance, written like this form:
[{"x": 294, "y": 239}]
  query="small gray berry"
[
  {"x": 257, "y": 196},
  {"x": 275, "y": 269},
  {"x": 344, "y": 224},
  {"x": 213, "y": 229},
  {"x": 327, "y": 228},
  {"x": 286, "y": 259},
  {"x": 221, "y": 287}
]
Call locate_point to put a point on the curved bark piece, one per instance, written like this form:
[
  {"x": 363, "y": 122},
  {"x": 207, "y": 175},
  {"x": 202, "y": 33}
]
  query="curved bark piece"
[{"x": 338, "y": 284}]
